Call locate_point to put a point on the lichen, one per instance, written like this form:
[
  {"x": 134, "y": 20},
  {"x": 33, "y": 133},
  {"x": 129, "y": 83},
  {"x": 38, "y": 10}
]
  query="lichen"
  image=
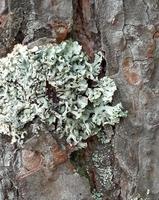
[
  {"x": 82, "y": 103},
  {"x": 97, "y": 195},
  {"x": 104, "y": 172}
]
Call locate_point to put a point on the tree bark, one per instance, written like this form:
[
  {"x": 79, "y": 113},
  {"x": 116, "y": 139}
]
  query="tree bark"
[{"x": 123, "y": 163}]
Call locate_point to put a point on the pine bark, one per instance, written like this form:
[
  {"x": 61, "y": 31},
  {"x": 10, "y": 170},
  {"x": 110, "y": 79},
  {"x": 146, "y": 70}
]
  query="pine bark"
[{"x": 127, "y": 32}]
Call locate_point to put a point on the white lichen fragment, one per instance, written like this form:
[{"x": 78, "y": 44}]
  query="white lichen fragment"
[{"x": 80, "y": 109}]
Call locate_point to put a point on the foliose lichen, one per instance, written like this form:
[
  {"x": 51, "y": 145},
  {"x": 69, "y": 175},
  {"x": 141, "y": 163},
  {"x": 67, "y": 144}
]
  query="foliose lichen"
[{"x": 82, "y": 103}]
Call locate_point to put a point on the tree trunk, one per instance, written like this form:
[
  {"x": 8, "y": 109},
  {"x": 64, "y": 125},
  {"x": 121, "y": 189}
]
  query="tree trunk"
[{"x": 122, "y": 164}]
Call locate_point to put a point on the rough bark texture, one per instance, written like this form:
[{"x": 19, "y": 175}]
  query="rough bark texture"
[{"x": 123, "y": 163}]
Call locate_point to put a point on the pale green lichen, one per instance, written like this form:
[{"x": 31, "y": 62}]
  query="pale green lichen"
[
  {"x": 80, "y": 109},
  {"x": 97, "y": 195}
]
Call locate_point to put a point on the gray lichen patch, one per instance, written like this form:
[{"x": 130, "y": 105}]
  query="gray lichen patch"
[
  {"x": 104, "y": 170},
  {"x": 80, "y": 109}
]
